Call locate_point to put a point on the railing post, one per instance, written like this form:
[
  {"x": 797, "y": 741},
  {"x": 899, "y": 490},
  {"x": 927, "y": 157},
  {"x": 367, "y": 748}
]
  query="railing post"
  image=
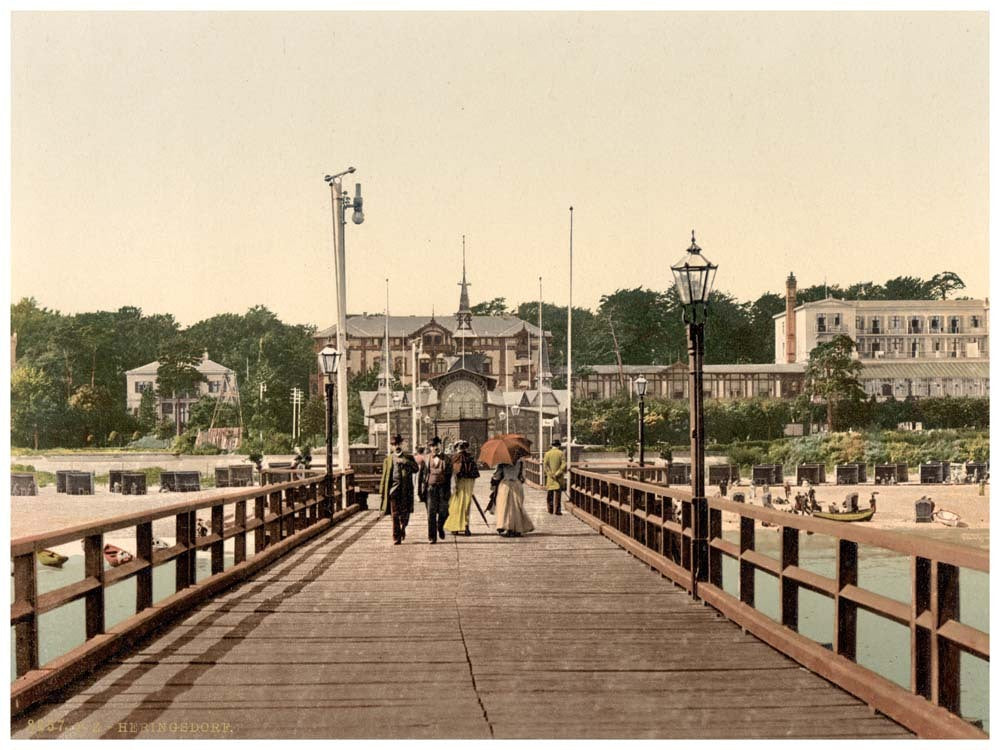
[
  {"x": 274, "y": 528},
  {"x": 687, "y": 547},
  {"x": 845, "y": 615},
  {"x": 920, "y": 636},
  {"x": 93, "y": 567},
  {"x": 218, "y": 547},
  {"x": 747, "y": 570},
  {"x": 260, "y": 532},
  {"x": 944, "y": 654},
  {"x": 789, "y": 589},
  {"x": 240, "y": 540},
  {"x": 184, "y": 575},
  {"x": 26, "y": 631},
  {"x": 714, "y": 555},
  {"x": 144, "y": 578}
]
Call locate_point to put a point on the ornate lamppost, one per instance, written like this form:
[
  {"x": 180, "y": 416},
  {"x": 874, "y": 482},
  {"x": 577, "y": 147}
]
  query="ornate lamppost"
[
  {"x": 694, "y": 275},
  {"x": 640, "y": 384},
  {"x": 329, "y": 359}
]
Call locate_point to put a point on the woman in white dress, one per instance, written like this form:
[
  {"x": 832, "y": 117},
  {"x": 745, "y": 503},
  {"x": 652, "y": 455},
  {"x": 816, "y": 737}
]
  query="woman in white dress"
[{"x": 511, "y": 518}]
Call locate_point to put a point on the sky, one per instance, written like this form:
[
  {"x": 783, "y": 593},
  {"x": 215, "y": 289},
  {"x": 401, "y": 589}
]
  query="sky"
[{"x": 175, "y": 161}]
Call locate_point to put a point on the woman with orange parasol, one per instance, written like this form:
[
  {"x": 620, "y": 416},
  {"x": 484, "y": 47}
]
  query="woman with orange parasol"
[{"x": 505, "y": 452}]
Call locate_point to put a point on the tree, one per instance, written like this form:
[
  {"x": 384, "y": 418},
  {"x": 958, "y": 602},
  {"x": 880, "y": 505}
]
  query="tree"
[
  {"x": 177, "y": 374},
  {"x": 496, "y": 306},
  {"x": 147, "y": 411},
  {"x": 945, "y": 282},
  {"x": 313, "y": 418},
  {"x": 832, "y": 375},
  {"x": 35, "y": 406},
  {"x": 907, "y": 287}
]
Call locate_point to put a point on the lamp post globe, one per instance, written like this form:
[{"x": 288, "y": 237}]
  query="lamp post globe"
[{"x": 694, "y": 276}]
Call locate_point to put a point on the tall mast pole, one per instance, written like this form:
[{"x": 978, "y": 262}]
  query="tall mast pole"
[
  {"x": 388, "y": 371},
  {"x": 538, "y": 376},
  {"x": 569, "y": 353}
]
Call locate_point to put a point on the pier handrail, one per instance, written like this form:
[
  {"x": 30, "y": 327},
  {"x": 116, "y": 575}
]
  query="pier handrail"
[
  {"x": 281, "y": 517},
  {"x": 654, "y": 523}
]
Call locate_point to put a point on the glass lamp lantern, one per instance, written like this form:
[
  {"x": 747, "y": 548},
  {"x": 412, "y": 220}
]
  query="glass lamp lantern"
[
  {"x": 329, "y": 359},
  {"x": 694, "y": 276},
  {"x": 640, "y": 386}
]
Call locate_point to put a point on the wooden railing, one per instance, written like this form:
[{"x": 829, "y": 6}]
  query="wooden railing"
[
  {"x": 532, "y": 472},
  {"x": 279, "y": 517},
  {"x": 655, "y": 524}
]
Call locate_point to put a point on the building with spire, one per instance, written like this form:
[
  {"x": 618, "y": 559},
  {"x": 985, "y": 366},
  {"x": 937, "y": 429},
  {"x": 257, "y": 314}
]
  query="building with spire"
[
  {"x": 506, "y": 347},
  {"x": 476, "y": 370}
]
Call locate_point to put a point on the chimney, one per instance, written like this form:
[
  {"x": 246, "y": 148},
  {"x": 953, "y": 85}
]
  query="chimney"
[{"x": 790, "y": 318}]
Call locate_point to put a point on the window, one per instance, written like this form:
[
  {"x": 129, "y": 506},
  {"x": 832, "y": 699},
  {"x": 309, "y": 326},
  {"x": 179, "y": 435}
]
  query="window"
[
  {"x": 859, "y": 323},
  {"x": 955, "y": 324},
  {"x": 974, "y": 321},
  {"x": 836, "y": 320},
  {"x": 143, "y": 385},
  {"x": 214, "y": 386},
  {"x": 894, "y": 322},
  {"x": 915, "y": 325},
  {"x": 876, "y": 325},
  {"x": 462, "y": 399},
  {"x": 886, "y": 389},
  {"x": 821, "y": 324},
  {"x": 935, "y": 323}
]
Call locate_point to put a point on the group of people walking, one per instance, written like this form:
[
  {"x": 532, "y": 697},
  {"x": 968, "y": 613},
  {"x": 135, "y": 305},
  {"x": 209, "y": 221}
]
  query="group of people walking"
[{"x": 445, "y": 482}]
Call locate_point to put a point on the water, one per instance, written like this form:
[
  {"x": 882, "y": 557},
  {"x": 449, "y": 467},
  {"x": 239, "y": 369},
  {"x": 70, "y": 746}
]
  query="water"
[
  {"x": 882, "y": 645},
  {"x": 63, "y": 629}
]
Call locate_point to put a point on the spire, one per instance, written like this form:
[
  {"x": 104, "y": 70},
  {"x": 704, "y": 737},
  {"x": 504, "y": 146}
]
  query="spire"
[{"x": 464, "y": 315}]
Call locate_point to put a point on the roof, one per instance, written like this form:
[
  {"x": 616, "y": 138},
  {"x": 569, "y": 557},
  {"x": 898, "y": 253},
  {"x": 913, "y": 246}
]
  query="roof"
[
  {"x": 205, "y": 367},
  {"x": 373, "y": 326},
  {"x": 747, "y": 368},
  {"x": 932, "y": 306},
  {"x": 914, "y": 369}
]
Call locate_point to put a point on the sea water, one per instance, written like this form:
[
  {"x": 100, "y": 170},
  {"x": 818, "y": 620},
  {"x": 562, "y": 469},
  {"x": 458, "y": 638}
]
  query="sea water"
[{"x": 882, "y": 644}]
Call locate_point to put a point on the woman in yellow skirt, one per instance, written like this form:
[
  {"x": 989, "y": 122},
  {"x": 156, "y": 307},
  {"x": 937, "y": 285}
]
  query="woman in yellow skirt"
[{"x": 465, "y": 470}]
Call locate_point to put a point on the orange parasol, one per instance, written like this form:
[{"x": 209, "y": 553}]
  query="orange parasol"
[{"x": 504, "y": 449}]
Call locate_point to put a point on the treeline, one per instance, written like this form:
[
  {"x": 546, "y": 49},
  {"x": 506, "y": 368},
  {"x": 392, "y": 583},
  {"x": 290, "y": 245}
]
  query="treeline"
[
  {"x": 614, "y": 422},
  {"x": 68, "y": 388},
  {"x": 645, "y": 326}
]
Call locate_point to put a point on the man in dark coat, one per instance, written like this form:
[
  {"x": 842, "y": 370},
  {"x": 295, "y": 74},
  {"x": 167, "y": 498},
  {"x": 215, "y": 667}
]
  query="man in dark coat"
[
  {"x": 396, "y": 487},
  {"x": 438, "y": 484}
]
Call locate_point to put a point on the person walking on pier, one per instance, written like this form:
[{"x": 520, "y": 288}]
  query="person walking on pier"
[
  {"x": 438, "y": 487},
  {"x": 554, "y": 462},
  {"x": 463, "y": 466},
  {"x": 421, "y": 458},
  {"x": 511, "y": 517},
  {"x": 397, "y": 488}
]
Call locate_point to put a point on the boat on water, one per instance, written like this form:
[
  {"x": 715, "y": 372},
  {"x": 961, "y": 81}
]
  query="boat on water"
[
  {"x": 947, "y": 517},
  {"x": 116, "y": 555},
  {"x": 50, "y": 558},
  {"x": 856, "y": 515}
]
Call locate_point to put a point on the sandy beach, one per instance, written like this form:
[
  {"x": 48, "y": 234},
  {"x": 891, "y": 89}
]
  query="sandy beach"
[{"x": 894, "y": 503}]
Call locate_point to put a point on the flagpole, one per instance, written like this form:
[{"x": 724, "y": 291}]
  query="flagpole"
[
  {"x": 388, "y": 370},
  {"x": 541, "y": 339},
  {"x": 569, "y": 354}
]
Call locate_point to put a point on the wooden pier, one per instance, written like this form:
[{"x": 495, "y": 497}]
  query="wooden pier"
[{"x": 556, "y": 634}]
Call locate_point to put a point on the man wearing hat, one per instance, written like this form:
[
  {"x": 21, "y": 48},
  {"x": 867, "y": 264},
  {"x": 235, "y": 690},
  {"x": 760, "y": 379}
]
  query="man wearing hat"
[
  {"x": 397, "y": 487},
  {"x": 438, "y": 469},
  {"x": 554, "y": 462}
]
